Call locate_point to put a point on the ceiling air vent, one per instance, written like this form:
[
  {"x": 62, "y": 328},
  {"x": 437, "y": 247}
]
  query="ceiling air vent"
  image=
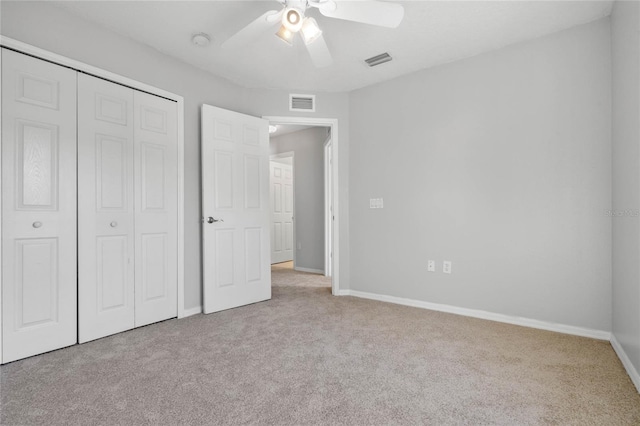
[
  {"x": 378, "y": 59},
  {"x": 306, "y": 103}
]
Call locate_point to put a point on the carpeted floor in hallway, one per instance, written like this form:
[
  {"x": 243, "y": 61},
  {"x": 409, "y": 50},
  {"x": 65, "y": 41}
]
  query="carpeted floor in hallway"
[
  {"x": 306, "y": 357},
  {"x": 283, "y": 275}
]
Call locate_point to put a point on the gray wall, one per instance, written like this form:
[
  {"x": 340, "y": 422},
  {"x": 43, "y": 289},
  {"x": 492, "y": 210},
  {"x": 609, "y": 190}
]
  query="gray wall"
[
  {"x": 625, "y": 26},
  {"x": 58, "y": 31},
  {"x": 308, "y": 148},
  {"x": 500, "y": 163}
]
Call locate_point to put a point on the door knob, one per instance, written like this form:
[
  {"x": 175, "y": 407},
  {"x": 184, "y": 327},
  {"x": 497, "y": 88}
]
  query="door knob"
[
  {"x": 212, "y": 220},
  {"x": 37, "y": 224},
  {"x": 113, "y": 224}
]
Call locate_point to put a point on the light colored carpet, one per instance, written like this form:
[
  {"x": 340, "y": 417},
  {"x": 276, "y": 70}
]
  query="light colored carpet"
[
  {"x": 282, "y": 265},
  {"x": 306, "y": 357},
  {"x": 283, "y": 275}
]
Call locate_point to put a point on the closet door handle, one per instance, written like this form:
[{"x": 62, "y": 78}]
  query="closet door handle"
[
  {"x": 212, "y": 220},
  {"x": 113, "y": 224},
  {"x": 37, "y": 224}
]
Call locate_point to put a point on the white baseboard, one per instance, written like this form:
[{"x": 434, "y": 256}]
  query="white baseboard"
[
  {"x": 526, "y": 322},
  {"x": 312, "y": 271},
  {"x": 192, "y": 311},
  {"x": 344, "y": 293},
  {"x": 628, "y": 365}
]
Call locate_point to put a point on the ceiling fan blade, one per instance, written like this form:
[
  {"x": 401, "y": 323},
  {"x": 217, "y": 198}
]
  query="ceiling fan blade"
[
  {"x": 253, "y": 30},
  {"x": 319, "y": 52},
  {"x": 371, "y": 12}
]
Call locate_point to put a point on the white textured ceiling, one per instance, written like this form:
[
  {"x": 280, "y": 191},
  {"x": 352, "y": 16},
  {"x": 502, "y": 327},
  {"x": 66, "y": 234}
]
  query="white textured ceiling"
[{"x": 432, "y": 33}]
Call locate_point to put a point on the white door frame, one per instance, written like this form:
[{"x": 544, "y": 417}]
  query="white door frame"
[
  {"x": 335, "y": 240},
  {"x": 134, "y": 84},
  {"x": 328, "y": 205},
  {"x": 293, "y": 173},
  {"x": 1, "y": 207}
]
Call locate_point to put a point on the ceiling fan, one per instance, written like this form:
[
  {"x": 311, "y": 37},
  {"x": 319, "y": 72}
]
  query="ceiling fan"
[{"x": 292, "y": 20}]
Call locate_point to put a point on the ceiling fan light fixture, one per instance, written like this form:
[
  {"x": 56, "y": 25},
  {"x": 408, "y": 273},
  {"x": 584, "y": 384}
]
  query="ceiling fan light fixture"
[
  {"x": 292, "y": 19},
  {"x": 285, "y": 35},
  {"x": 310, "y": 30}
]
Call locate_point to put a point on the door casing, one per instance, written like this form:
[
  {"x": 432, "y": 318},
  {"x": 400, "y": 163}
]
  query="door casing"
[
  {"x": 328, "y": 206},
  {"x": 335, "y": 239}
]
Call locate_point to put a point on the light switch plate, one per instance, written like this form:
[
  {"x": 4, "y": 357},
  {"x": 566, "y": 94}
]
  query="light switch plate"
[
  {"x": 376, "y": 203},
  {"x": 431, "y": 266}
]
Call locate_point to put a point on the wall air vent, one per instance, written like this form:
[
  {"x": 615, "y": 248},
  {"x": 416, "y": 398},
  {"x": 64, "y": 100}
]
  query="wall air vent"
[
  {"x": 305, "y": 103},
  {"x": 378, "y": 59}
]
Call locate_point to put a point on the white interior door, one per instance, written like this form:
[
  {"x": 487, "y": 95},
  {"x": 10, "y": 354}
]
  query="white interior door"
[
  {"x": 105, "y": 208},
  {"x": 236, "y": 213},
  {"x": 38, "y": 206},
  {"x": 281, "y": 192},
  {"x": 156, "y": 208}
]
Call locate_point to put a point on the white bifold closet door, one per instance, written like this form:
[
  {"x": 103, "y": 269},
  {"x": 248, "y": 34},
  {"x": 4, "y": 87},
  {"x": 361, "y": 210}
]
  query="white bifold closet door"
[
  {"x": 38, "y": 206},
  {"x": 127, "y": 211},
  {"x": 105, "y": 208},
  {"x": 156, "y": 208}
]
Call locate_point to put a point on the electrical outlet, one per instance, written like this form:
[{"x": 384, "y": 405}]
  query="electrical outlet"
[
  {"x": 446, "y": 266},
  {"x": 431, "y": 266}
]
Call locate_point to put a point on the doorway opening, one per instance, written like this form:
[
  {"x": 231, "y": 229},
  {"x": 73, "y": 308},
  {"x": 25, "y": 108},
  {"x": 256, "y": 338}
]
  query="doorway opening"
[{"x": 309, "y": 147}]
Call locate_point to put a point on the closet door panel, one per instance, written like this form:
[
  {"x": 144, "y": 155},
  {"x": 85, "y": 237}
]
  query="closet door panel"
[
  {"x": 105, "y": 210},
  {"x": 38, "y": 206},
  {"x": 156, "y": 208}
]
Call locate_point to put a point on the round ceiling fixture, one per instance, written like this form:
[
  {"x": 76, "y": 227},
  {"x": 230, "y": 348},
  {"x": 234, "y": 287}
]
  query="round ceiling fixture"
[
  {"x": 201, "y": 39},
  {"x": 292, "y": 19}
]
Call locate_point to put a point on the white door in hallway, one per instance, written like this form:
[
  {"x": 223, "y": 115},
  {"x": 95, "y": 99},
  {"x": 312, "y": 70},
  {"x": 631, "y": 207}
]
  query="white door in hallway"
[
  {"x": 235, "y": 207},
  {"x": 281, "y": 193},
  {"x": 38, "y": 206}
]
